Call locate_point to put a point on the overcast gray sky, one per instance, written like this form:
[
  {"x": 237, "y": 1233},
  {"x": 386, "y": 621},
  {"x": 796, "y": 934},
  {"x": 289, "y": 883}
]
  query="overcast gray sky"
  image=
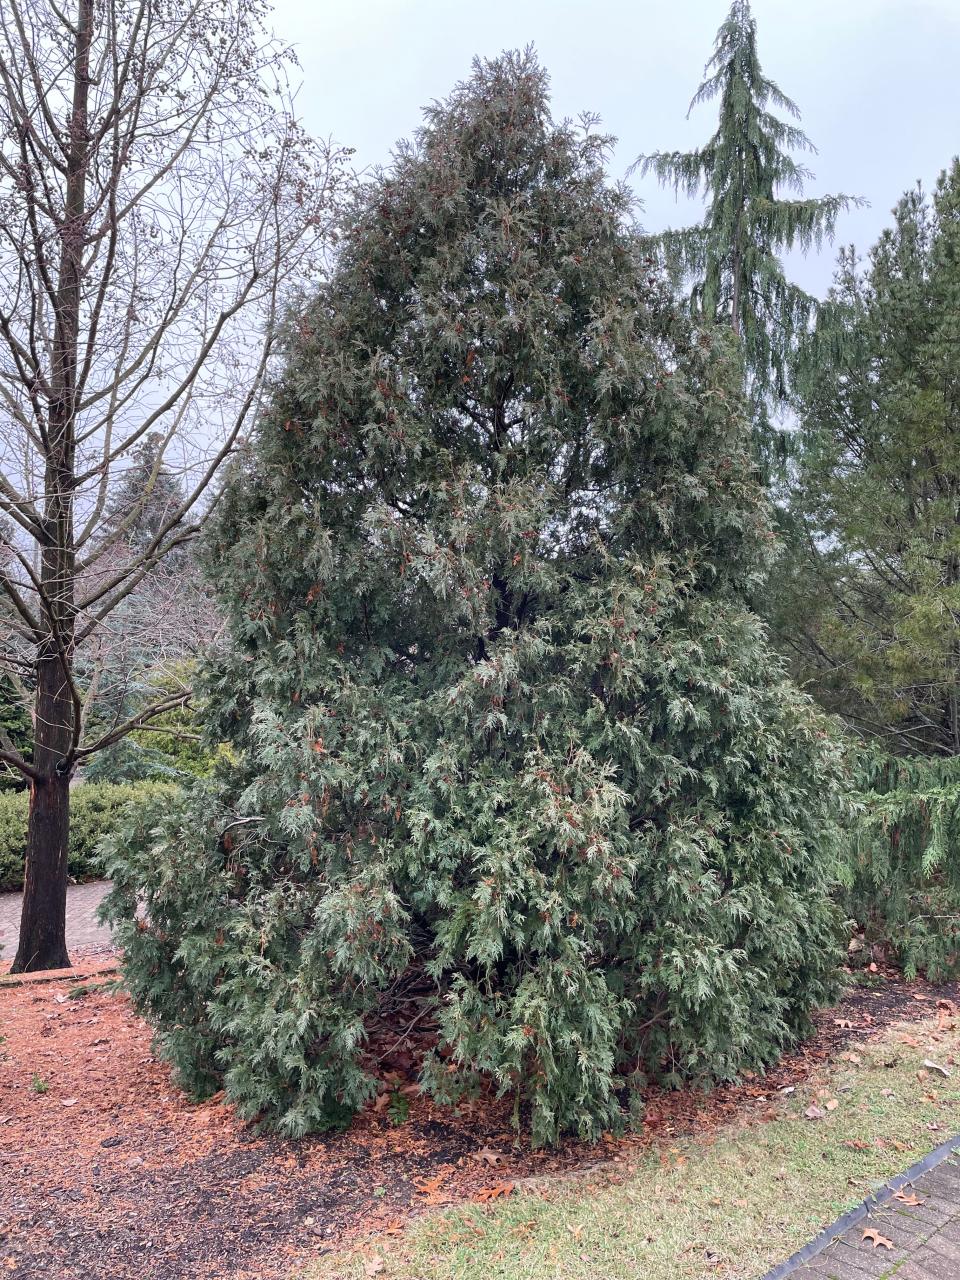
[{"x": 876, "y": 81}]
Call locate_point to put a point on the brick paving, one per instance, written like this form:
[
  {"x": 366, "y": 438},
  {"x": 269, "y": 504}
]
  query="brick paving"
[
  {"x": 918, "y": 1241},
  {"x": 83, "y": 931}
]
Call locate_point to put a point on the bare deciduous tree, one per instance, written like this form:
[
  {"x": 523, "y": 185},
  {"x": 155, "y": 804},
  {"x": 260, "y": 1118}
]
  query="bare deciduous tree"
[{"x": 156, "y": 197}]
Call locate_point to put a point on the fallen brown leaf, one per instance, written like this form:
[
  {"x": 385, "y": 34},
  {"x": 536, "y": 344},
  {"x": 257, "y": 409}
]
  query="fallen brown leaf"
[
  {"x": 877, "y": 1240},
  {"x": 487, "y": 1155},
  {"x": 430, "y": 1189},
  {"x": 492, "y": 1193},
  {"x": 911, "y": 1199},
  {"x": 935, "y": 1066}
]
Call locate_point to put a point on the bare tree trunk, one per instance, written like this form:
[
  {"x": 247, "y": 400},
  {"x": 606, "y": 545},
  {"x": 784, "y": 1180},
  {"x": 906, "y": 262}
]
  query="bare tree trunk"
[
  {"x": 43, "y": 922},
  {"x": 57, "y": 719}
]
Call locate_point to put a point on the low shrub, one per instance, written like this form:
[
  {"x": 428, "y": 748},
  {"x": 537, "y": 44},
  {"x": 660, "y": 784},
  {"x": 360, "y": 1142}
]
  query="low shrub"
[{"x": 94, "y": 811}]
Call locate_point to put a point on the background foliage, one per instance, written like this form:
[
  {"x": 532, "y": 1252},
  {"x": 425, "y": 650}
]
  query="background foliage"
[
  {"x": 755, "y": 210},
  {"x": 97, "y": 810},
  {"x": 869, "y": 600},
  {"x": 903, "y": 875}
]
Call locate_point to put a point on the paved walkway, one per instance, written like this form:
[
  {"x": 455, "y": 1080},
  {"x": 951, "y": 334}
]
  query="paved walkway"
[
  {"x": 82, "y": 927},
  {"x": 915, "y": 1221}
]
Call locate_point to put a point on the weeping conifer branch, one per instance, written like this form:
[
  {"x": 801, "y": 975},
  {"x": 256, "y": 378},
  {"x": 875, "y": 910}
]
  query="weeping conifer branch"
[{"x": 729, "y": 263}]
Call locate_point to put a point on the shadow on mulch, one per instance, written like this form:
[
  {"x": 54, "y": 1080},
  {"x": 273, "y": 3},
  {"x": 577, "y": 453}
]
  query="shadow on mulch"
[{"x": 109, "y": 1174}]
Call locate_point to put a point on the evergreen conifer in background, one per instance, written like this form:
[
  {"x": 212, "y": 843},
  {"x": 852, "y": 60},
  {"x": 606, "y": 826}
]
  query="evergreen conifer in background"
[
  {"x": 731, "y": 258},
  {"x": 506, "y": 725},
  {"x": 869, "y": 599}
]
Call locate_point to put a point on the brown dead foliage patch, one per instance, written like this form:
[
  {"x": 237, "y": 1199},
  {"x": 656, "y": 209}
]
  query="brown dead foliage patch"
[{"x": 109, "y": 1172}]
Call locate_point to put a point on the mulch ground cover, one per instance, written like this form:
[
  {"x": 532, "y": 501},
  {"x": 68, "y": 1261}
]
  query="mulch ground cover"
[{"x": 109, "y": 1173}]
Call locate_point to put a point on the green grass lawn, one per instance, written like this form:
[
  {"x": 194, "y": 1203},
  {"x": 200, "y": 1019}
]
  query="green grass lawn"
[{"x": 731, "y": 1205}]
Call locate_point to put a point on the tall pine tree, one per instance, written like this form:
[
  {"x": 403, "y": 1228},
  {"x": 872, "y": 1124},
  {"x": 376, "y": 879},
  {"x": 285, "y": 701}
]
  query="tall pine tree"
[
  {"x": 506, "y": 727},
  {"x": 731, "y": 260}
]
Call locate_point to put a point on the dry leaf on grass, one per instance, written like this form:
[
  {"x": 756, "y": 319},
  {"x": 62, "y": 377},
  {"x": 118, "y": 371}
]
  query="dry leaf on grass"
[
  {"x": 935, "y": 1066},
  {"x": 493, "y": 1193},
  {"x": 875, "y": 1238}
]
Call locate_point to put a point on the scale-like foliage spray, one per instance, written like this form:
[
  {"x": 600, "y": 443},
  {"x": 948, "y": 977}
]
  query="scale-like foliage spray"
[{"x": 504, "y": 723}]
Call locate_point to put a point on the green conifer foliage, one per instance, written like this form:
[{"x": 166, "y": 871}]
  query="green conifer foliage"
[
  {"x": 903, "y": 876},
  {"x": 870, "y": 596},
  {"x": 875, "y": 609},
  {"x": 743, "y": 172},
  {"x": 506, "y": 726}
]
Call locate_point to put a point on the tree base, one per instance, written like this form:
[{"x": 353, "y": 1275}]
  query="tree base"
[{"x": 56, "y": 958}]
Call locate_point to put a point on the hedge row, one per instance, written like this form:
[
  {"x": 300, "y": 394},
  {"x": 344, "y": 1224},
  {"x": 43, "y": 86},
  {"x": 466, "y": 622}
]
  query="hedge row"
[{"x": 94, "y": 811}]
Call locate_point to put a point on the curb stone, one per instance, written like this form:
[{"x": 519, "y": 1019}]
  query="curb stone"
[{"x": 876, "y": 1200}]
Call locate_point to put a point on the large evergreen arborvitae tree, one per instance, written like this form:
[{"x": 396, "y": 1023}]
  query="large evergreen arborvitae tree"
[
  {"x": 745, "y": 172},
  {"x": 870, "y": 602},
  {"x": 505, "y": 724}
]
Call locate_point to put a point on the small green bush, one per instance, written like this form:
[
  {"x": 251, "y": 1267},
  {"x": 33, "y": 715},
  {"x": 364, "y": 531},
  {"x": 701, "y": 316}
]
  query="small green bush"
[{"x": 94, "y": 811}]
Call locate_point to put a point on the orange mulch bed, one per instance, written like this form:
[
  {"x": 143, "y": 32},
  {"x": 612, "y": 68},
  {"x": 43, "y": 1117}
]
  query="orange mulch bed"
[{"x": 109, "y": 1173}]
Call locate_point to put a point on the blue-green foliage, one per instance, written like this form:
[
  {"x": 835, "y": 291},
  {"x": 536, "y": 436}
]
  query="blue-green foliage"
[{"x": 503, "y": 720}]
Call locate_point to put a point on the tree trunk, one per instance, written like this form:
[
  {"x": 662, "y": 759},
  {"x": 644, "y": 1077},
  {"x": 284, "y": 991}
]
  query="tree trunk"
[
  {"x": 56, "y": 732},
  {"x": 43, "y": 920}
]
